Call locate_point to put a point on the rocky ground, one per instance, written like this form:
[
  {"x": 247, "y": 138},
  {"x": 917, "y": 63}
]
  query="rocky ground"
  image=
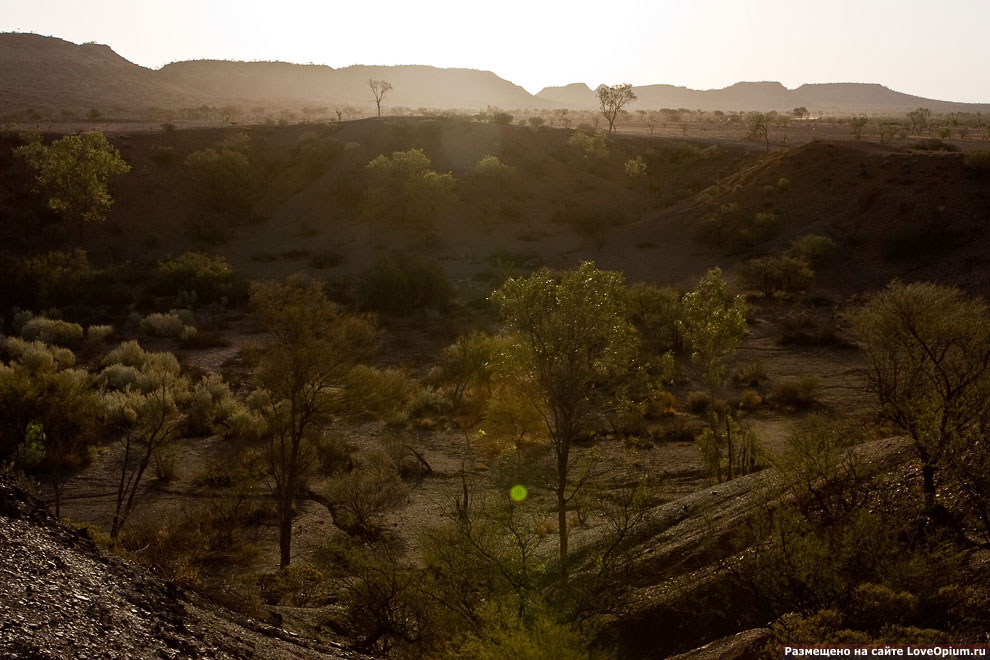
[{"x": 62, "y": 597}]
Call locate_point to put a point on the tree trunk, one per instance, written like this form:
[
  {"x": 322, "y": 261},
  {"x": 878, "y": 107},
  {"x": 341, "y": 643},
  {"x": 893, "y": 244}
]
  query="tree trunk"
[
  {"x": 285, "y": 531},
  {"x": 728, "y": 440},
  {"x": 121, "y": 487},
  {"x": 562, "y": 514},
  {"x": 287, "y": 507},
  {"x": 928, "y": 476}
]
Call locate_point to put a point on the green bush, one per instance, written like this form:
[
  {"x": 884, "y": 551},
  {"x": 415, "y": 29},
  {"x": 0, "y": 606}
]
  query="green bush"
[
  {"x": 52, "y": 331},
  {"x": 430, "y": 403},
  {"x": 591, "y": 144},
  {"x": 655, "y": 311},
  {"x": 49, "y": 410},
  {"x": 783, "y": 274},
  {"x": 403, "y": 188},
  {"x": 538, "y": 637},
  {"x": 171, "y": 324},
  {"x": 222, "y": 179},
  {"x": 380, "y": 393},
  {"x": 635, "y": 167},
  {"x": 45, "y": 280},
  {"x": 211, "y": 278},
  {"x": 728, "y": 228},
  {"x": 210, "y": 406},
  {"x": 816, "y": 249},
  {"x": 680, "y": 152},
  {"x": 699, "y": 402},
  {"x": 803, "y": 330},
  {"x": 402, "y": 284}
]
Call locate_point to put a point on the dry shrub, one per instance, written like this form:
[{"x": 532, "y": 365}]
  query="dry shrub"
[
  {"x": 179, "y": 542},
  {"x": 750, "y": 375},
  {"x": 359, "y": 499},
  {"x": 750, "y": 400},
  {"x": 295, "y": 586},
  {"x": 699, "y": 402},
  {"x": 166, "y": 464},
  {"x": 797, "y": 394},
  {"x": 510, "y": 419},
  {"x": 978, "y": 161},
  {"x": 802, "y": 330}
]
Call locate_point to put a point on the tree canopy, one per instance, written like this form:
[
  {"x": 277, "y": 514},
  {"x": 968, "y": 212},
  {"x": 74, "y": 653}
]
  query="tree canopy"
[
  {"x": 713, "y": 325},
  {"x": 404, "y": 181},
  {"x": 73, "y": 172},
  {"x": 379, "y": 88},
  {"x": 611, "y": 98},
  {"x": 571, "y": 339},
  {"x": 301, "y": 380},
  {"x": 929, "y": 352}
]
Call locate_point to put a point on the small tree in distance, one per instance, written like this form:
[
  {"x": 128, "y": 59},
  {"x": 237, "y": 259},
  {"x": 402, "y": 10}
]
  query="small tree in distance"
[
  {"x": 857, "y": 124},
  {"x": 612, "y": 98},
  {"x": 379, "y": 88},
  {"x": 759, "y": 126}
]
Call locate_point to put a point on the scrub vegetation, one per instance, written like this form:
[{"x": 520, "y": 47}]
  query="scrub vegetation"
[{"x": 448, "y": 387}]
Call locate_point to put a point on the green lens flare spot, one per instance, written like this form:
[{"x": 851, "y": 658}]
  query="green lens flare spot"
[{"x": 518, "y": 493}]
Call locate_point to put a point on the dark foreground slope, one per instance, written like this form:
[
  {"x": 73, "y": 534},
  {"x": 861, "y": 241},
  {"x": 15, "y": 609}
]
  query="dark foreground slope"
[{"x": 61, "y": 597}]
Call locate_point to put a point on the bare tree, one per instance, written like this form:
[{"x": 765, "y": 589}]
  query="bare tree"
[
  {"x": 759, "y": 126},
  {"x": 612, "y": 98},
  {"x": 379, "y": 88}
]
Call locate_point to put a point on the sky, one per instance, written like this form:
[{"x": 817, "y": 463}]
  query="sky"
[{"x": 935, "y": 50}]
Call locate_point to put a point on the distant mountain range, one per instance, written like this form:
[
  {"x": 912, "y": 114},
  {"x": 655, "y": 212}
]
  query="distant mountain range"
[
  {"x": 765, "y": 96},
  {"x": 52, "y": 75}
]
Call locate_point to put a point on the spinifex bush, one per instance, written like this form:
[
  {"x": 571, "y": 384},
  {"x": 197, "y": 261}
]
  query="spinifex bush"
[
  {"x": 174, "y": 324},
  {"x": 52, "y": 331},
  {"x": 209, "y": 277}
]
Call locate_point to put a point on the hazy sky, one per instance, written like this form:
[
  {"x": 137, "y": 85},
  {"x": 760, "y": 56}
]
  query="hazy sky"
[{"x": 933, "y": 49}]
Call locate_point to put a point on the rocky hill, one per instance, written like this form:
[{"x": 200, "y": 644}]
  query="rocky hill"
[
  {"x": 765, "y": 96},
  {"x": 61, "y": 597},
  {"x": 58, "y": 78},
  {"x": 53, "y": 75}
]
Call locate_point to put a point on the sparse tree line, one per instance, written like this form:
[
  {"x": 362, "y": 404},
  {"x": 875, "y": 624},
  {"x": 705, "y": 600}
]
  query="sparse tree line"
[{"x": 763, "y": 127}]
